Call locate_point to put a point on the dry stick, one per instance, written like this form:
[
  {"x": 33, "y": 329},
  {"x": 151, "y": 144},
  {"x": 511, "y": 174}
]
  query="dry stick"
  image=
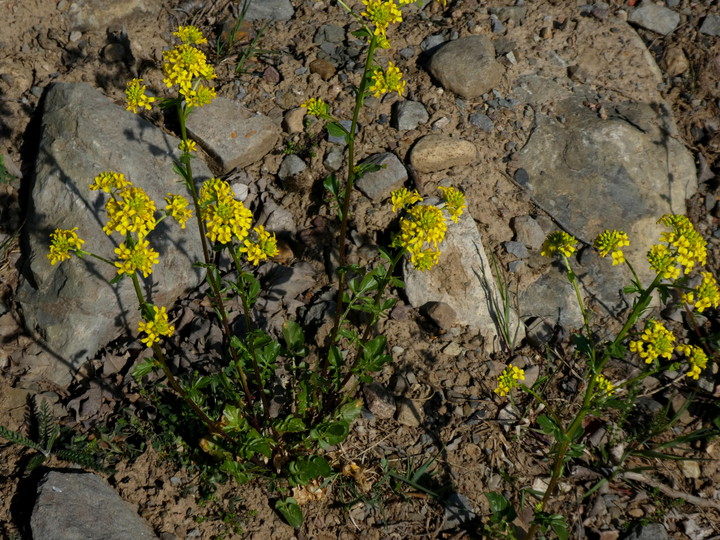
[{"x": 670, "y": 492}]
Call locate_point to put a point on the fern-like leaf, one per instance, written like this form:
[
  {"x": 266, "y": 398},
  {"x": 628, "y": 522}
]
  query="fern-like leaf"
[
  {"x": 81, "y": 458},
  {"x": 17, "y": 438}
]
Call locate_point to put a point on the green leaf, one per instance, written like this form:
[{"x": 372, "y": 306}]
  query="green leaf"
[
  {"x": 146, "y": 366},
  {"x": 294, "y": 338},
  {"x": 291, "y": 424},
  {"x": 332, "y": 185},
  {"x": 362, "y": 34},
  {"x": 337, "y": 130},
  {"x": 500, "y": 507},
  {"x": 236, "y": 470},
  {"x": 289, "y": 509},
  {"x": 549, "y": 427},
  {"x": 374, "y": 347}
]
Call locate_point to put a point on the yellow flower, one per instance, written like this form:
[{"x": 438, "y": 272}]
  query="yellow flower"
[
  {"x": 697, "y": 360},
  {"x": 177, "y": 207},
  {"x": 423, "y": 259},
  {"x": 708, "y": 294},
  {"x": 690, "y": 246},
  {"x": 188, "y": 147},
  {"x": 663, "y": 261},
  {"x": 183, "y": 64},
  {"x": 263, "y": 247},
  {"x": 604, "y": 387},
  {"x": 225, "y": 217},
  {"x": 136, "y": 257},
  {"x": 402, "y": 198},
  {"x": 612, "y": 241},
  {"x": 316, "y": 107},
  {"x": 558, "y": 242},
  {"x": 135, "y": 95},
  {"x": 454, "y": 202},
  {"x": 199, "y": 96},
  {"x": 131, "y": 210},
  {"x": 381, "y": 13},
  {"x": 190, "y": 35},
  {"x": 508, "y": 379},
  {"x": 390, "y": 81},
  {"x": 655, "y": 341},
  {"x": 62, "y": 242},
  {"x": 108, "y": 180},
  {"x": 158, "y": 326},
  {"x": 421, "y": 231}
]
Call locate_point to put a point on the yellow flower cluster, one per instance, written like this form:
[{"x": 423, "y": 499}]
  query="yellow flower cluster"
[
  {"x": 136, "y": 256},
  {"x": 316, "y": 107},
  {"x": 683, "y": 247},
  {"x": 188, "y": 147},
  {"x": 225, "y": 217},
  {"x": 389, "y": 81},
  {"x": 177, "y": 207},
  {"x": 381, "y": 13},
  {"x": 186, "y": 66},
  {"x": 604, "y": 387},
  {"x": 136, "y": 97},
  {"x": 130, "y": 210},
  {"x": 190, "y": 35},
  {"x": 656, "y": 341},
  {"x": 260, "y": 249},
  {"x": 558, "y": 242},
  {"x": 509, "y": 379},
  {"x": 612, "y": 241},
  {"x": 706, "y": 295},
  {"x": 156, "y": 327},
  {"x": 697, "y": 359},
  {"x": 423, "y": 227},
  {"x": 62, "y": 242},
  {"x": 108, "y": 181}
]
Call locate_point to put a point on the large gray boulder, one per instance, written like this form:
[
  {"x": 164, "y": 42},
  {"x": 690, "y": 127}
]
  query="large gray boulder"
[
  {"x": 72, "y": 307},
  {"x": 82, "y": 506}
]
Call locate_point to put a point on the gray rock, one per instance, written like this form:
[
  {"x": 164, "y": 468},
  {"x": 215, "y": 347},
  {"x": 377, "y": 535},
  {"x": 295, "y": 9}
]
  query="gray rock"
[
  {"x": 334, "y": 158},
  {"x": 552, "y": 298},
  {"x": 378, "y": 185},
  {"x": 467, "y": 66},
  {"x": 275, "y": 218},
  {"x": 233, "y": 135},
  {"x": 340, "y": 139},
  {"x": 82, "y": 506},
  {"x": 516, "y": 249},
  {"x": 409, "y": 115},
  {"x": 282, "y": 284},
  {"x": 458, "y": 511},
  {"x": 379, "y": 400},
  {"x": 482, "y": 121},
  {"x": 462, "y": 279},
  {"x": 434, "y": 153},
  {"x": 431, "y": 42},
  {"x": 651, "y": 531},
  {"x": 409, "y": 413},
  {"x": 516, "y": 14},
  {"x": 623, "y": 173},
  {"x": 275, "y": 10},
  {"x": 442, "y": 314},
  {"x": 711, "y": 25},
  {"x": 528, "y": 231},
  {"x": 329, "y": 32},
  {"x": 72, "y": 306},
  {"x": 655, "y": 18},
  {"x": 291, "y": 166},
  {"x": 99, "y": 14}
]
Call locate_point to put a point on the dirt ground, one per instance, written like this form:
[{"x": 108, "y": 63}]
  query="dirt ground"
[{"x": 43, "y": 41}]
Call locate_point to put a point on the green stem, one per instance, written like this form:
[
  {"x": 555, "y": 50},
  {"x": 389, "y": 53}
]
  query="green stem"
[{"x": 342, "y": 239}]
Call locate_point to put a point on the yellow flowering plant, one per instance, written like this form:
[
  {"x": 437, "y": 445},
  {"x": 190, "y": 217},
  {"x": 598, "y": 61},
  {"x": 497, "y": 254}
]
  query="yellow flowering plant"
[{"x": 654, "y": 346}]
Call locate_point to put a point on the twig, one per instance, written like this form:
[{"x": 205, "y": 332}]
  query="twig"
[{"x": 670, "y": 492}]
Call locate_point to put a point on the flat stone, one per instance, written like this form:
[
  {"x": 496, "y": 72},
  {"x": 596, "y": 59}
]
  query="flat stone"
[
  {"x": 409, "y": 413},
  {"x": 275, "y": 10},
  {"x": 377, "y": 185},
  {"x": 553, "y": 299},
  {"x": 88, "y": 15},
  {"x": 458, "y": 511},
  {"x": 441, "y": 314},
  {"x": 334, "y": 157},
  {"x": 467, "y": 66},
  {"x": 293, "y": 120},
  {"x": 409, "y": 115},
  {"x": 379, "y": 400},
  {"x": 231, "y": 134},
  {"x": 323, "y": 68},
  {"x": 463, "y": 279},
  {"x": 82, "y": 506},
  {"x": 655, "y": 18},
  {"x": 291, "y": 166},
  {"x": 651, "y": 531},
  {"x": 72, "y": 306},
  {"x": 439, "y": 152},
  {"x": 528, "y": 231},
  {"x": 482, "y": 121},
  {"x": 516, "y": 249},
  {"x": 711, "y": 25}
]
